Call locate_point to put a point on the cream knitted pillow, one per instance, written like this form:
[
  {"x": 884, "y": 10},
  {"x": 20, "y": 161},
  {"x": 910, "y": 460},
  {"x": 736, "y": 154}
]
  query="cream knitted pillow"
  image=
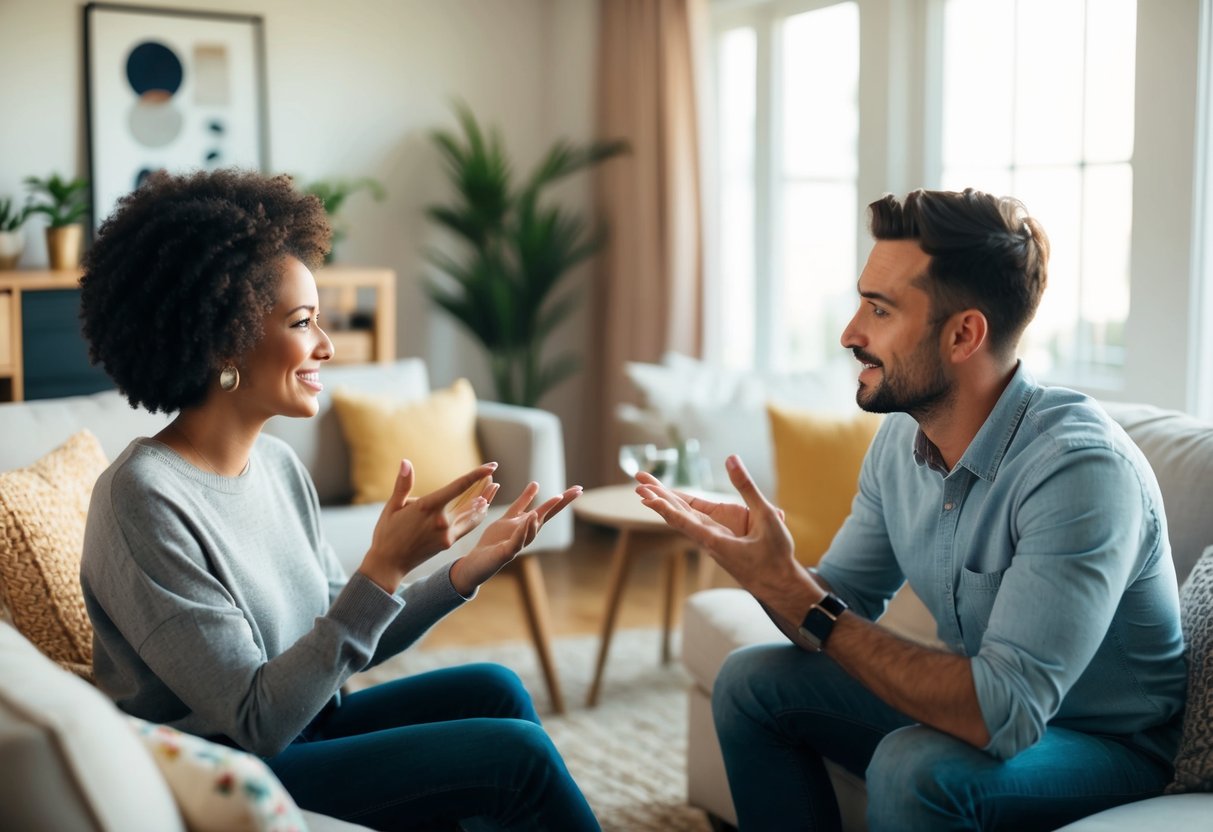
[
  {"x": 42, "y": 513},
  {"x": 1194, "y": 762}
]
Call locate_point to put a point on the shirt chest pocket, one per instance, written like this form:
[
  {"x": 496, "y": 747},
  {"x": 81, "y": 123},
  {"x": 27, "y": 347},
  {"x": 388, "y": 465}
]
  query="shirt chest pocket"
[{"x": 975, "y": 596}]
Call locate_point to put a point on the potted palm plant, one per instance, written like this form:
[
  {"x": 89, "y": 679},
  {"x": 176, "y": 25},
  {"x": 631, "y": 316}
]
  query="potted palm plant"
[
  {"x": 64, "y": 202},
  {"x": 333, "y": 193},
  {"x": 12, "y": 238},
  {"x": 517, "y": 251}
]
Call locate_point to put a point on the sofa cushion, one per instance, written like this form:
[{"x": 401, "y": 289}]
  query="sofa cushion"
[
  {"x": 715, "y": 623},
  {"x": 1179, "y": 449},
  {"x": 42, "y": 514},
  {"x": 71, "y": 760},
  {"x": 318, "y": 441},
  {"x": 437, "y": 433},
  {"x": 817, "y": 461},
  {"x": 1172, "y": 813},
  {"x": 217, "y": 788},
  {"x": 1194, "y": 762}
]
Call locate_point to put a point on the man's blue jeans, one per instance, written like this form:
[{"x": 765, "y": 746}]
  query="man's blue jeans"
[
  {"x": 429, "y": 751},
  {"x": 779, "y": 711}
]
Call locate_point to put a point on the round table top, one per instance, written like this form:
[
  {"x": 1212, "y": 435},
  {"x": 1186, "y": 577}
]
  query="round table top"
[{"x": 619, "y": 506}]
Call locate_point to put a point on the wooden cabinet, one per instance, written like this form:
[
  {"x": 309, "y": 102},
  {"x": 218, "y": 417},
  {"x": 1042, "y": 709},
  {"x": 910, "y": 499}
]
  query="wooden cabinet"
[{"x": 343, "y": 291}]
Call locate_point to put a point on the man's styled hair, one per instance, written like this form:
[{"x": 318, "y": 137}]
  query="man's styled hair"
[
  {"x": 184, "y": 271},
  {"x": 986, "y": 254}
]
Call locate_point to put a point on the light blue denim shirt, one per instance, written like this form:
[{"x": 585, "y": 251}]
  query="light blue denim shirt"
[{"x": 1042, "y": 554}]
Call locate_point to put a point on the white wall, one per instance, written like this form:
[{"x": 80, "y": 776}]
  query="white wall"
[{"x": 354, "y": 89}]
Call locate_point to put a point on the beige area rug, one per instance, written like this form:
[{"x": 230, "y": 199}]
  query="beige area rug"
[{"x": 628, "y": 754}]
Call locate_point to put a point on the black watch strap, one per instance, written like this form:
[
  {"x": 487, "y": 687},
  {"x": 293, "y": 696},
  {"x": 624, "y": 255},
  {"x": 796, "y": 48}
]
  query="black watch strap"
[{"x": 819, "y": 622}]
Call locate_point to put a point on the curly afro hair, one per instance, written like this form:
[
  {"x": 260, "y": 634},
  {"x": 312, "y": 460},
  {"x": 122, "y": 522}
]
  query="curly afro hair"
[{"x": 183, "y": 273}]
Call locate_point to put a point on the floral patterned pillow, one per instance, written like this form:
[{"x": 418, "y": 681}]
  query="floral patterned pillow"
[{"x": 219, "y": 789}]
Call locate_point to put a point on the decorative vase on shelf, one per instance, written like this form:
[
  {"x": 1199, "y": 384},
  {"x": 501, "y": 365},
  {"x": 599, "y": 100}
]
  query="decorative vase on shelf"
[
  {"x": 63, "y": 246},
  {"x": 12, "y": 243}
]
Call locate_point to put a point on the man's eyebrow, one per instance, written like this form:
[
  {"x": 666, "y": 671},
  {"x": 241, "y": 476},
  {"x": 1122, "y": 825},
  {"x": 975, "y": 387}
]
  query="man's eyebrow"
[{"x": 883, "y": 298}]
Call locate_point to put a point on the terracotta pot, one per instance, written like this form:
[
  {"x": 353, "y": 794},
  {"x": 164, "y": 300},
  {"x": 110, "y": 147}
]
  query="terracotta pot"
[
  {"x": 63, "y": 246},
  {"x": 12, "y": 243}
]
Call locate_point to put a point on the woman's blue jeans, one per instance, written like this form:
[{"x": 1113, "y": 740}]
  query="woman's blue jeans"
[
  {"x": 779, "y": 711},
  {"x": 456, "y": 746}
]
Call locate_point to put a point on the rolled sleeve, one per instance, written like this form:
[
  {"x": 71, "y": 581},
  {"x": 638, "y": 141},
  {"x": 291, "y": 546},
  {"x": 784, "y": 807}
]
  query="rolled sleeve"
[{"x": 1056, "y": 601}]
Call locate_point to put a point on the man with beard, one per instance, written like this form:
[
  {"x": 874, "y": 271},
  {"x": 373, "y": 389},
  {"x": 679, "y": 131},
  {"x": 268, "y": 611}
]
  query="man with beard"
[{"x": 1026, "y": 520}]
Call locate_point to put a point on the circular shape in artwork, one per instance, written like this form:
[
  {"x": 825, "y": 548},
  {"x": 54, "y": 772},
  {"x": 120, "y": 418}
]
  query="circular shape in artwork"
[
  {"x": 154, "y": 124},
  {"x": 152, "y": 66}
]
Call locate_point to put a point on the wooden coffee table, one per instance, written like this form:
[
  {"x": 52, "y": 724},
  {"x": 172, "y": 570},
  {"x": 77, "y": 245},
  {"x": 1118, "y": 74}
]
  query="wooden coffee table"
[{"x": 640, "y": 528}]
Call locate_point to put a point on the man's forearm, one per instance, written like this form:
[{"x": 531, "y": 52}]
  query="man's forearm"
[{"x": 931, "y": 686}]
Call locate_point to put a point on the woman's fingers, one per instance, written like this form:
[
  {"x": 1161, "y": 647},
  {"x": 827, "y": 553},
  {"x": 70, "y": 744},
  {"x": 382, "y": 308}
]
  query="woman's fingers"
[
  {"x": 554, "y": 505},
  {"x": 524, "y": 500},
  {"x": 457, "y": 487}
]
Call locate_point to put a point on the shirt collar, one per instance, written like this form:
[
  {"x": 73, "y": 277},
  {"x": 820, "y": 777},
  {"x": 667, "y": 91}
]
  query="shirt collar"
[{"x": 985, "y": 452}]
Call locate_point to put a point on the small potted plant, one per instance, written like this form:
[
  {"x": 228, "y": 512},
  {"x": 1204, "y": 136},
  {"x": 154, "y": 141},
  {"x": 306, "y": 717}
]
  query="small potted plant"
[
  {"x": 333, "y": 193},
  {"x": 12, "y": 238},
  {"x": 64, "y": 202}
]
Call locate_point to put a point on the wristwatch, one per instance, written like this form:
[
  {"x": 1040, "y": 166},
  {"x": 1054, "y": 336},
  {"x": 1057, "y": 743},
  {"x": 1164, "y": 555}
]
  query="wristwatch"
[{"x": 819, "y": 622}]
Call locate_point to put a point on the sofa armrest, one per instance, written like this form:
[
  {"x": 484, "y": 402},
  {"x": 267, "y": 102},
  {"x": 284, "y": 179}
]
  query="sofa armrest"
[{"x": 529, "y": 445}]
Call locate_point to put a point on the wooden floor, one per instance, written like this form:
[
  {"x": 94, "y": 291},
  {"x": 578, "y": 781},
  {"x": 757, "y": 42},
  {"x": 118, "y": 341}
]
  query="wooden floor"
[{"x": 577, "y": 582}]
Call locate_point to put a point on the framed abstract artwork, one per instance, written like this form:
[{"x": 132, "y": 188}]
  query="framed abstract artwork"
[{"x": 170, "y": 89}]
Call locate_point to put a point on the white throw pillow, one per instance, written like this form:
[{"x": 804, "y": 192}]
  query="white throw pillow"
[
  {"x": 725, "y": 409},
  {"x": 217, "y": 788},
  {"x": 71, "y": 761}
]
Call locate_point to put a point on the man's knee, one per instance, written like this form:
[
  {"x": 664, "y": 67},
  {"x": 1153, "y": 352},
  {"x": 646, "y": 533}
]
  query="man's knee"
[
  {"x": 745, "y": 672},
  {"x": 917, "y": 771}
]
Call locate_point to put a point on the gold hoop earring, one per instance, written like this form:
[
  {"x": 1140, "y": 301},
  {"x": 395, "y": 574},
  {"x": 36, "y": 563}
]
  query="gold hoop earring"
[{"x": 229, "y": 378}]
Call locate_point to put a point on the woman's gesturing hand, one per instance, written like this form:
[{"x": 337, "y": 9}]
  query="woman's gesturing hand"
[
  {"x": 506, "y": 537},
  {"x": 411, "y": 530}
]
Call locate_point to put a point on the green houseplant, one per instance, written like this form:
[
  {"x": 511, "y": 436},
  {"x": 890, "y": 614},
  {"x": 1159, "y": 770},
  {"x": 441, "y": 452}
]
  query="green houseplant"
[
  {"x": 12, "y": 239},
  {"x": 65, "y": 202},
  {"x": 517, "y": 250},
  {"x": 333, "y": 193}
]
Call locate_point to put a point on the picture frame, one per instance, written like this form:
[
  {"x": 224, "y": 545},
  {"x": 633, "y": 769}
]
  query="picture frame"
[{"x": 170, "y": 89}]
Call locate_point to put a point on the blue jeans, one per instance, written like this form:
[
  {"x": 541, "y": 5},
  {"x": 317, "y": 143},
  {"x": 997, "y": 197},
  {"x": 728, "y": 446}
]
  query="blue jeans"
[
  {"x": 779, "y": 711},
  {"x": 431, "y": 751}
]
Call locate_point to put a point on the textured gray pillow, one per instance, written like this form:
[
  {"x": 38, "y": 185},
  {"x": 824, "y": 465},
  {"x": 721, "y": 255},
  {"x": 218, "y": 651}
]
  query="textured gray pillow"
[{"x": 1194, "y": 762}]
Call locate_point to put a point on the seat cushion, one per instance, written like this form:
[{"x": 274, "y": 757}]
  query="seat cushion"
[
  {"x": 715, "y": 623},
  {"x": 42, "y": 514},
  {"x": 1172, "y": 813}
]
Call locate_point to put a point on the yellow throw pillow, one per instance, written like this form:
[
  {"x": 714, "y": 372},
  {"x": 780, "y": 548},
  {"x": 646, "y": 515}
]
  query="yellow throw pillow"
[
  {"x": 437, "y": 433},
  {"x": 42, "y": 513},
  {"x": 817, "y": 461}
]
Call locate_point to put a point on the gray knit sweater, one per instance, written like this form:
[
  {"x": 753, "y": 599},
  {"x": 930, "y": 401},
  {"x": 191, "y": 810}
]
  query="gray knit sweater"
[{"x": 217, "y": 605}]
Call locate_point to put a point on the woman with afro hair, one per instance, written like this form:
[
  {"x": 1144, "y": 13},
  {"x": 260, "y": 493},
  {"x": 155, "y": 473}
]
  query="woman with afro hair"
[{"x": 218, "y": 606}]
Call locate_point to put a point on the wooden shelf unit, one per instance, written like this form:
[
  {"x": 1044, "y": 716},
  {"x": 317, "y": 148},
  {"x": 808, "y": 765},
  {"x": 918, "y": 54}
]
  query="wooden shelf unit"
[{"x": 339, "y": 282}]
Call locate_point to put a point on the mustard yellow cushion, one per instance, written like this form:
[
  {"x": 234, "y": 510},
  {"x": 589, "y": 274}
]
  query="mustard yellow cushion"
[
  {"x": 437, "y": 433},
  {"x": 42, "y": 513},
  {"x": 817, "y": 461}
]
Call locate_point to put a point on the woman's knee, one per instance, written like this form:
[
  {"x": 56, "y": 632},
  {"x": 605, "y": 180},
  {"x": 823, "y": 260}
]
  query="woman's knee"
[{"x": 503, "y": 690}]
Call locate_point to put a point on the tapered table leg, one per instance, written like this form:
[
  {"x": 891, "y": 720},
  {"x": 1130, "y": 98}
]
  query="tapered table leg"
[
  {"x": 675, "y": 569},
  {"x": 535, "y": 604},
  {"x": 619, "y": 572}
]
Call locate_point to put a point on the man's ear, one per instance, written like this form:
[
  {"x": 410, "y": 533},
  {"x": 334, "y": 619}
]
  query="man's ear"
[{"x": 964, "y": 334}]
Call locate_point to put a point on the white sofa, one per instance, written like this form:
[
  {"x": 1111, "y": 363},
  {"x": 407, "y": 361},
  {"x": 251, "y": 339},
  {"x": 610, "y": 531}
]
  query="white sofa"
[
  {"x": 54, "y": 784},
  {"x": 1179, "y": 449}
]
